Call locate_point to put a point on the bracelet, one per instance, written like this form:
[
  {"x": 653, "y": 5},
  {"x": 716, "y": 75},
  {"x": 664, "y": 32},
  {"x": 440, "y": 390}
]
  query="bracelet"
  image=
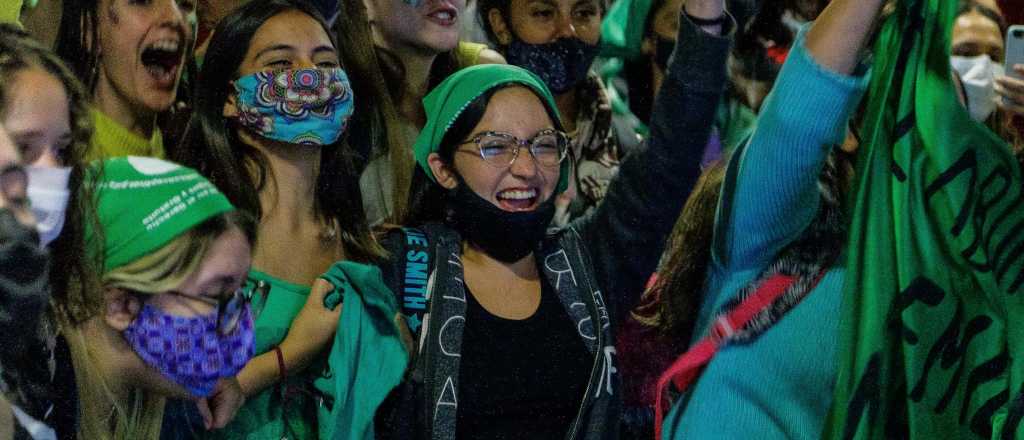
[
  {"x": 721, "y": 20},
  {"x": 281, "y": 362}
]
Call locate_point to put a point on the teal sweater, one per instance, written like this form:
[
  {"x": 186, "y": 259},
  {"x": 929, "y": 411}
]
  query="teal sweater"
[{"x": 779, "y": 386}]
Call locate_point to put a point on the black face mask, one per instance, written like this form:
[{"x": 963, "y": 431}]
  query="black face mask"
[
  {"x": 505, "y": 236},
  {"x": 561, "y": 65},
  {"x": 662, "y": 51}
]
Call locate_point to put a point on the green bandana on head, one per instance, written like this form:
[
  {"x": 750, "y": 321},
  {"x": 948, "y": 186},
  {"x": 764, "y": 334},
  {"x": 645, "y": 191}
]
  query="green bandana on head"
[
  {"x": 446, "y": 102},
  {"x": 144, "y": 203}
]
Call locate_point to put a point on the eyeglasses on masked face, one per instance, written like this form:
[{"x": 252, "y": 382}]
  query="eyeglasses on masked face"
[
  {"x": 548, "y": 147},
  {"x": 230, "y": 308}
]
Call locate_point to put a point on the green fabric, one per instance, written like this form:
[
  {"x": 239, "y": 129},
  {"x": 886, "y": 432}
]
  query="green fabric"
[
  {"x": 265, "y": 414},
  {"x": 110, "y": 139},
  {"x": 445, "y": 103},
  {"x": 931, "y": 328},
  {"x": 10, "y": 12},
  {"x": 622, "y": 30},
  {"x": 144, "y": 203},
  {"x": 367, "y": 359}
]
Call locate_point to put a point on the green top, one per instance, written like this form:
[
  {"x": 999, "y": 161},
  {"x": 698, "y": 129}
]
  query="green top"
[
  {"x": 275, "y": 303},
  {"x": 10, "y": 12},
  {"x": 622, "y": 30},
  {"x": 367, "y": 359},
  {"x": 338, "y": 395},
  {"x": 110, "y": 139}
]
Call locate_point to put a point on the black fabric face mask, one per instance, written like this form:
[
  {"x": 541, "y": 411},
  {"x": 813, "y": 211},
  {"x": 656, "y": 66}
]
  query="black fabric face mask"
[
  {"x": 503, "y": 235},
  {"x": 662, "y": 51},
  {"x": 561, "y": 65}
]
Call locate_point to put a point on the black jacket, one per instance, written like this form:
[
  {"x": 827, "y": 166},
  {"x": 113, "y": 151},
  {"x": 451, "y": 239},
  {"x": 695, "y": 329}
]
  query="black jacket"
[{"x": 598, "y": 265}]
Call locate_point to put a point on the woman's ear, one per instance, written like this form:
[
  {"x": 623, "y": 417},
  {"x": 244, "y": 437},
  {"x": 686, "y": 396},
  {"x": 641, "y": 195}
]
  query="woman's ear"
[
  {"x": 500, "y": 28},
  {"x": 121, "y": 308},
  {"x": 443, "y": 172}
]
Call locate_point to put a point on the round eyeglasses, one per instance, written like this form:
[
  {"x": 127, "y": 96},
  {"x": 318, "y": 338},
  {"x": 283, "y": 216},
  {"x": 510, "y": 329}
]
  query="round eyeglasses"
[
  {"x": 549, "y": 147},
  {"x": 230, "y": 308}
]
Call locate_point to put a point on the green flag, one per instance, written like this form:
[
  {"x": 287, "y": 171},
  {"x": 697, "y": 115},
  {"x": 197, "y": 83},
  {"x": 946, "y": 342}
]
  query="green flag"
[{"x": 931, "y": 338}]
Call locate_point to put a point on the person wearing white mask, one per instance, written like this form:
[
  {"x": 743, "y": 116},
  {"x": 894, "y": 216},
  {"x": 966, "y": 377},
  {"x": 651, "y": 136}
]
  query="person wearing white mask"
[
  {"x": 44, "y": 111},
  {"x": 978, "y": 52}
]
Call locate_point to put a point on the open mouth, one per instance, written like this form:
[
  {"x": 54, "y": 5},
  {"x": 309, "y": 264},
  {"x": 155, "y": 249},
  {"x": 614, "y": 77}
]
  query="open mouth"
[
  {"x": 517, "y": 199},
  {"x": 162, "y": 60},
  {"x": 444, "y": 16}
]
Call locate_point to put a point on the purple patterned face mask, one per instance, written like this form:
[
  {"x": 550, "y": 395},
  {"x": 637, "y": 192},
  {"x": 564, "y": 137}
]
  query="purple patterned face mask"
[{"x": 188, "y": 350}]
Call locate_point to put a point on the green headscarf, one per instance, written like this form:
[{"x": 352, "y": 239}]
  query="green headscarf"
[
  {"x": 144, "y": 203},
  {"x": 622, "y": 31},
  {"x": 446, "y": 102}
]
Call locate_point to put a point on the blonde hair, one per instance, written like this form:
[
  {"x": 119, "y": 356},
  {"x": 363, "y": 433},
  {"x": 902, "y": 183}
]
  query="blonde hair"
[{"x": 104, "y": 415}]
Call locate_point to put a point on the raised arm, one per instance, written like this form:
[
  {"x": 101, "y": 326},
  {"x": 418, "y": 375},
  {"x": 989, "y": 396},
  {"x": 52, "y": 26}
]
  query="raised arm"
[
  {"x": 626, "y": 234},
  {"x": 774, "y": 196}
]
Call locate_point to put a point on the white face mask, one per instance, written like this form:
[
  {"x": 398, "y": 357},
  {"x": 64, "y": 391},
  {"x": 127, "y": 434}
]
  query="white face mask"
[
  {"x": 48, "y": 195},
  {"x": 978, "y": 74}
]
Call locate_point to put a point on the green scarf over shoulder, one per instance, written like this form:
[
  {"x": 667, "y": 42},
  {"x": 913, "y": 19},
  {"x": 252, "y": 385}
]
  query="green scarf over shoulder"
[
  {"x": 932, "y": 344},
  {"x": 367, "y": 359}
]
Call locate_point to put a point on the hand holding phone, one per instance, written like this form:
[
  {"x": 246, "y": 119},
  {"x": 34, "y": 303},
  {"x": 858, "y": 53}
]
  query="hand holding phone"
[{"x": 1011, "y": 87}]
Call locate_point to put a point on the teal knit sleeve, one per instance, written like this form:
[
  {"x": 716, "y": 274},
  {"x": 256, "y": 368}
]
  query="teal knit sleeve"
[{"x": 773, "y": 195}]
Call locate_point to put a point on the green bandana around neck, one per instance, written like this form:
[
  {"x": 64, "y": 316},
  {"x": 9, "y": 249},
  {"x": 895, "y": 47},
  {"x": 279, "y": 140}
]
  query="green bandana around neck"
[
  {"x": 445, "y": 103},
  {"x": 144, "y": 203}
]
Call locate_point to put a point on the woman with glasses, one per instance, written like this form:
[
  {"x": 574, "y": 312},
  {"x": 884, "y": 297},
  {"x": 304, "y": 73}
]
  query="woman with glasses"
[
  {"x": 558, "y": 40},
  {"x": 513, "y": 319},
  {"x": 166, "y": 318}
]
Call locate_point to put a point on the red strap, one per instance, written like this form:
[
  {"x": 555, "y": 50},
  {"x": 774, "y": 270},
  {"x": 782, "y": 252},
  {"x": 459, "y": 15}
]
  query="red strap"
[{"x": 687, "y": 367}]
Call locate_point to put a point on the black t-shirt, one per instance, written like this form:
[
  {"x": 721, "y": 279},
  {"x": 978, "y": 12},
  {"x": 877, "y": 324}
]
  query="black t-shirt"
[{"x": 520, "y": 378}]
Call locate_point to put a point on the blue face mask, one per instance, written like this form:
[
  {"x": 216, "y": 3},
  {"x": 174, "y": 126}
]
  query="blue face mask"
[
  {"x": 295, "y": 106},
  {"x": 561, "y": 65}
]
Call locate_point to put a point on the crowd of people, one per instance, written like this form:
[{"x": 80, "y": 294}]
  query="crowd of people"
[{"x": 427, "y": 219}]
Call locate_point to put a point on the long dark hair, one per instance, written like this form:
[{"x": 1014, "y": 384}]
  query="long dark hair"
[
  {"x": 376, "y": 128},
  {"x": 77, "y": 33},
  {"x": 428, "y": 200},
  {"x": 390, "y": 138},
  {"x": 680, "y": 283},
  {"x": 78, "y": 272},
  {"x": 212, "y": 146}
]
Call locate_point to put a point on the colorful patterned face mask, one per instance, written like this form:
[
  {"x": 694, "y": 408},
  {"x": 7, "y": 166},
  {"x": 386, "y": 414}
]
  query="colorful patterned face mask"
[
  {"x": 296, "y": 106},
  {"x": 188, "y": 350},
  {"x": 562, "y": 64}
]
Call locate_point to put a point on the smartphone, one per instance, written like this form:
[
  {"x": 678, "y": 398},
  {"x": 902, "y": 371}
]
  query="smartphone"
[{"x": 1014, "y": 50}]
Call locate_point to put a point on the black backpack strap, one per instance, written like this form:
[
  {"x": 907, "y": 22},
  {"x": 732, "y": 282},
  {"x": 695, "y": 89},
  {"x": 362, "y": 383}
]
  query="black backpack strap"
[{"x": 408, "y": 272}]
